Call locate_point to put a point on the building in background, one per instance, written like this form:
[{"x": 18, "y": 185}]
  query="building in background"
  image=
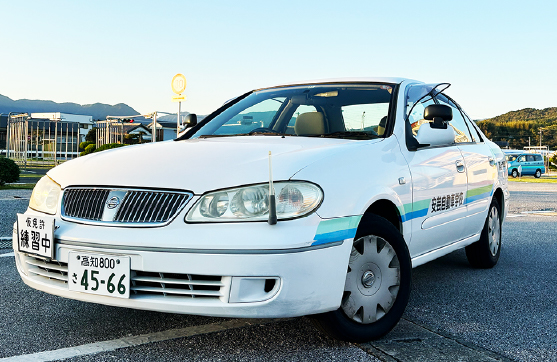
[
  {"x": 85, "y": 122},
  {"x": 165, "y": 130}
]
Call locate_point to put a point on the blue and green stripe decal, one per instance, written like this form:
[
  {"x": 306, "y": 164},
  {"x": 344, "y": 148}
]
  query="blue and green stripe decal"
[
  {"x": 479, "y": 193},
  {"x": 332, "y": 230}
]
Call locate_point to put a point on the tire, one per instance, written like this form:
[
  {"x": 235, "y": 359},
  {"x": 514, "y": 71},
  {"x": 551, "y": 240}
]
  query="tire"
[
  {"x": 377, "y": 287},
  {"x": 514, "y": 173},
  {"x": 538, "y": 173},
  {"x": 485, "y": 252}
]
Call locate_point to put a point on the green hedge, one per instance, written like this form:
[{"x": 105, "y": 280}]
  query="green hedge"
[
  {"x": 108, "y": 146},
  {"x": 9, "y": 171},
  {"x": 91, "y": 148},
  {"x": 83, "y": 145}
]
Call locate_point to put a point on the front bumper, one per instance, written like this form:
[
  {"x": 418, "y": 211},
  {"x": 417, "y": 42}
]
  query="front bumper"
[{"x": 251, "y": 283}]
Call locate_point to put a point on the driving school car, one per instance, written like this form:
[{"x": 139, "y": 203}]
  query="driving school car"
[{"x": 303, "y": 199}]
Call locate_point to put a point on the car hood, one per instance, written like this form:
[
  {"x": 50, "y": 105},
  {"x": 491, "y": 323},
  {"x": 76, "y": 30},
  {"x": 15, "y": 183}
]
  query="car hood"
[{"x": 199, "y": 165}]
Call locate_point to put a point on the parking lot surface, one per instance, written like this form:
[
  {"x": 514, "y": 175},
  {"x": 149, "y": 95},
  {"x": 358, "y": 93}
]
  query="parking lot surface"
[{"x": 455, "y": 312}]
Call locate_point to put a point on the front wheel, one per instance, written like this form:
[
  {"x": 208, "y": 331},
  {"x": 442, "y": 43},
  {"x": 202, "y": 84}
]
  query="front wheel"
[
  {"x": 514, "y": 173},
  {"x": 485, "y": 252},
  {"x": 538, "y": 173},
  {"x": 377, "y": 287}
]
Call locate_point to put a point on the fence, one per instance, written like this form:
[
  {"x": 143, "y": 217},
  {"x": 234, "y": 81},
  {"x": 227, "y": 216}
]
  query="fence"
[
  {"x": 109, "y": 131},
  {"x": 41, "y": 141}
]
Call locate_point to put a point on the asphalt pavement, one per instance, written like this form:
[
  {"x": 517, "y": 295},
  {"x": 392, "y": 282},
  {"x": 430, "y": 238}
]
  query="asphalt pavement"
[{"x": 455, "y": 312}]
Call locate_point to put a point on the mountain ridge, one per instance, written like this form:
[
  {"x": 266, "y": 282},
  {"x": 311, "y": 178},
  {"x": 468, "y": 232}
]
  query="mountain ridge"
[
  {"x": 97, "y": 110},
  {"x": 521, "y": 128}
]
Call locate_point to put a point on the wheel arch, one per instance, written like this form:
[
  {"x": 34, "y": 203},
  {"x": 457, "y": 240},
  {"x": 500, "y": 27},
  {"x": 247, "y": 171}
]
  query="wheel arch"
[
  {"x": 498, "y": 195},
  {"x": 384, "y": 208}
]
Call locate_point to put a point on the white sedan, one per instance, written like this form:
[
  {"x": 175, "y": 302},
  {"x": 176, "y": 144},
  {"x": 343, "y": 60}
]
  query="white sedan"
[{"x": 303, "y": 199}]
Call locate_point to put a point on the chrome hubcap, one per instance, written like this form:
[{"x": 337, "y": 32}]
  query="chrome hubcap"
[
  {"x": 368, "y": 278},
  {"x": 372, "y": 281},
  {"x": 494, "y": 231}
]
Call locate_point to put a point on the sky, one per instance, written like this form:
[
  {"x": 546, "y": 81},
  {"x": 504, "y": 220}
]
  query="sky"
[{"x": 499, "y": 56}]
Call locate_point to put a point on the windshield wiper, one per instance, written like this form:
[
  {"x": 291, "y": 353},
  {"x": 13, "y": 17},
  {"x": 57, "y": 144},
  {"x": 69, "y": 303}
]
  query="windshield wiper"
[
  {"x": 265, "y": 133},
  {"x": 349, "y": 134},
  {"x": 253, "y": 133},
  {"x": 222, "y": 135}
]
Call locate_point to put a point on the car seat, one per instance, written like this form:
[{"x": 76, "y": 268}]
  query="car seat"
[{"x": 310, "y": 123}]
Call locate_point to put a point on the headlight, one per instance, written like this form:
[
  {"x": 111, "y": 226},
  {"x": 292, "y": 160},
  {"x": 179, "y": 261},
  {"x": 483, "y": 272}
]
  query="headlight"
[
  {"x": 45, "y": 196},
  {"x": 251, "y": 203}
]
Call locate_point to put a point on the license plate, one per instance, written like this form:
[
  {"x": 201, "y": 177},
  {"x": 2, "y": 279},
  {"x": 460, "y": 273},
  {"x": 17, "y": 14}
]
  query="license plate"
[
  {"x": 102, "y": 274},
  {"x": 35, "y": 235}
]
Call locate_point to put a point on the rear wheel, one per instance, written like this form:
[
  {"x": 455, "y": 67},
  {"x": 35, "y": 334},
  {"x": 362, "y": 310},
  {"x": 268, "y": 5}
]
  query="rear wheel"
[
  {"x": 377, "y": 285},
  {"x": 514, "y": 173},
  {"x": 485, "y": 252},
  {"x": 538, "y": 173}
]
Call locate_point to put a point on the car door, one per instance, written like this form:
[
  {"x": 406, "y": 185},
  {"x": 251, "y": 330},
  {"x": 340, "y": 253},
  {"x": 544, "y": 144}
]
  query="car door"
[
  {"x": 481, "y": 168},
  {"x": 521, "y": 165},
  {"x": 439, "y": 187},
  {"x": 531, "y": 164}
]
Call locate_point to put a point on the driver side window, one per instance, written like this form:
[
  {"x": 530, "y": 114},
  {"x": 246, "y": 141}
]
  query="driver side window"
[
  {"x": 416, "y": 118},
  {"x": 462, "y": 133}
]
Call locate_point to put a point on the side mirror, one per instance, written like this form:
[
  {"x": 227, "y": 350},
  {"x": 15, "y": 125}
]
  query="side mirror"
[
  {"x": 440, "y": 114},
  {"x": 190, "y": 120}
]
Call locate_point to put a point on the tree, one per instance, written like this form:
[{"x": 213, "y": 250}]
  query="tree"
[
  {"x": 9, "y": 171},
  {"x": 91, "y": 135}
]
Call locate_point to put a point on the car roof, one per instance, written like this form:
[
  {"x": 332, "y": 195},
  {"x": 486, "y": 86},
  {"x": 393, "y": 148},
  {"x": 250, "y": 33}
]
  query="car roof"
[
  {"x": 521, "y": 153},
  {"x": 393, "y": 80}
]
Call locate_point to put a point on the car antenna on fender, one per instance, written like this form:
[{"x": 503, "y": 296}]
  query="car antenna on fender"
[{"x": 272, "y": 201}]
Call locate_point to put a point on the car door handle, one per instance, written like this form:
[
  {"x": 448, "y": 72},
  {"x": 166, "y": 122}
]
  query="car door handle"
[
  {"x": 491, "y": 161},
  {"x": 459, "y": 166}
]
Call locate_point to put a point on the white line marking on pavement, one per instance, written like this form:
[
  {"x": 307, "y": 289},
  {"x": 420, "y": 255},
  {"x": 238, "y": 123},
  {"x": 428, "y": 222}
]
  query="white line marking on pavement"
[
  {"x": 8, "y": 254},
  {"x": 107, "y": 346}
]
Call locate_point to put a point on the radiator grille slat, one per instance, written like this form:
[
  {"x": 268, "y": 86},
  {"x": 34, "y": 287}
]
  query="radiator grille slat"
[
  {"x": 136, "y": 206},
  {"x": 187, "y": 285},
  {"x": 161, "y": 208}
]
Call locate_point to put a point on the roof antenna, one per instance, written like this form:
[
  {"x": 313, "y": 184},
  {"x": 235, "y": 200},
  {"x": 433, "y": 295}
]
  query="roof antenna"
[{"x": 272, "y": 201}]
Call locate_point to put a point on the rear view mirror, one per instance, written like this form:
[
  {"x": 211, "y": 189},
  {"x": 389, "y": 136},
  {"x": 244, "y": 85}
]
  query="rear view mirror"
[
  {"x": 190, "y": 120},
  {"x": 440, "y": 114}
]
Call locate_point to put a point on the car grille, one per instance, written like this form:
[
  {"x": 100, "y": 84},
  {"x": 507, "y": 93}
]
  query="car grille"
[
  {"x": 142, "y": 283},
  {"x": 85, "y": 203},
  {"x": 186, "y": 285},
  {"x": 136, "y": 206},
  {"x": 53, "y": 271}
]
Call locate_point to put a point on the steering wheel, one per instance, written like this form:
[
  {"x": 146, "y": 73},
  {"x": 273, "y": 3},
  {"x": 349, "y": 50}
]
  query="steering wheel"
[{"x": 261, "y": 130}]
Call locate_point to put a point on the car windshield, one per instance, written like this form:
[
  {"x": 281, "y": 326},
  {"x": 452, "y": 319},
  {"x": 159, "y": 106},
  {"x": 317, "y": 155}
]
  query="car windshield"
[{"x": 355, "y": 111}]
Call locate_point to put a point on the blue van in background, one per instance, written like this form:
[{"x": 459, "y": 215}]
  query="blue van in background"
[{"x": 525, "y": 164}]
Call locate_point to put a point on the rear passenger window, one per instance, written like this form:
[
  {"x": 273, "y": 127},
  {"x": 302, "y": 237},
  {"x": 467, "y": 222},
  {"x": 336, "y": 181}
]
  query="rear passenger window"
[
  {"x": 538, "y": 157},
  {"x": 365, "y": 117},
  {"x": 530, "y": 158}
]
